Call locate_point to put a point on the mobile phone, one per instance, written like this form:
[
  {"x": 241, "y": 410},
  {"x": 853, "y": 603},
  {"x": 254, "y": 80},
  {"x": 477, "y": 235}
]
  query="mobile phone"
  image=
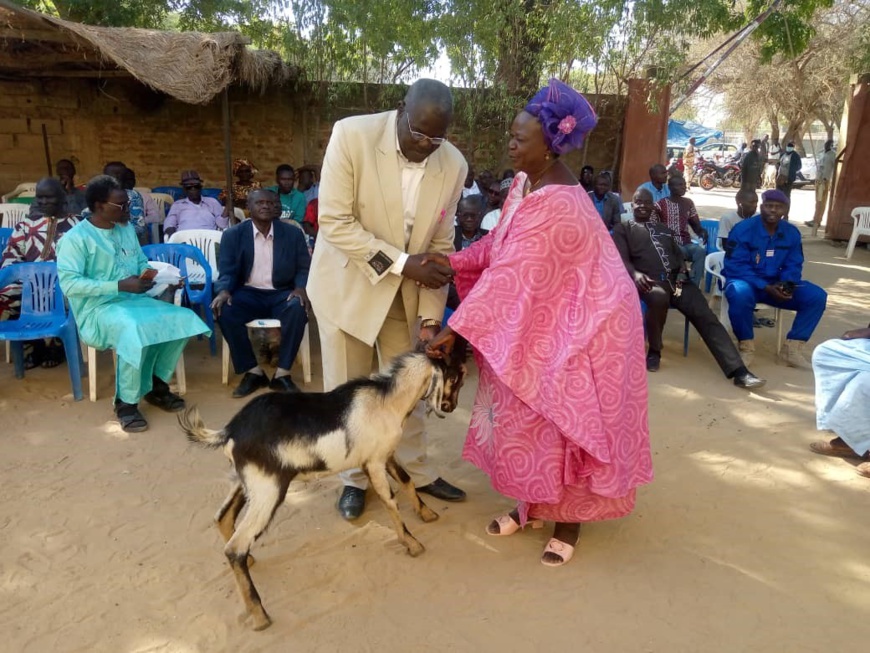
[{"x": 148, "y": 274}]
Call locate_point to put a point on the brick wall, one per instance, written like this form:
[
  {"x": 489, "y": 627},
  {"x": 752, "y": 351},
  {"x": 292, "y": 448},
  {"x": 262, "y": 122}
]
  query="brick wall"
[{"x": 93, "y": 121}]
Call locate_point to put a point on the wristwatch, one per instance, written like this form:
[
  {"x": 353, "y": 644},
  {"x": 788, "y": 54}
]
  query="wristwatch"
[{"x": 430, "y": 323}]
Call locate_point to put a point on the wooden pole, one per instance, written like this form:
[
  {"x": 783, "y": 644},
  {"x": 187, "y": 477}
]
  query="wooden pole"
[
  {"x": 228, "y": 154},
  {"x": 47, "y": 151}
]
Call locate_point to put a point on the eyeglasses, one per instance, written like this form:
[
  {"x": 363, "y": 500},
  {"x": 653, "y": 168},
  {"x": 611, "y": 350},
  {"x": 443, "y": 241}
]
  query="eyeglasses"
[
  {"x": 419, "y": 137},
  {"x": 194, "y": 187},
  {"x": 120, "y": 206}
]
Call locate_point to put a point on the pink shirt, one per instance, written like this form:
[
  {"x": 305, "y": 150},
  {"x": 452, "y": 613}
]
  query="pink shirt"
[{"x": 261, "y": 270}]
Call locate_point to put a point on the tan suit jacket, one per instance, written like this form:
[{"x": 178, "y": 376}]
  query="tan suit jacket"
[{"x": 362, "y": 231}]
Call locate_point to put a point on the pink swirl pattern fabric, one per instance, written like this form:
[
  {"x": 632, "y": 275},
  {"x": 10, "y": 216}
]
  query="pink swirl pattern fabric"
[{"x": 560, "y": 417}]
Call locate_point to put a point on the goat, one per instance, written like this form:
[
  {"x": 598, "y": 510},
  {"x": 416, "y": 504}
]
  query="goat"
[
  {"x": 769, "y": 178},
  {"x": 277, "y": 437}
]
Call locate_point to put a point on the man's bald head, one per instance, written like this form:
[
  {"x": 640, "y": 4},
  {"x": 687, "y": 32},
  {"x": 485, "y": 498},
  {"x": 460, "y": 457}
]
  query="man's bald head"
[
  {"x": 431, "y": 95},
  {"x": 50, "y": 197}
]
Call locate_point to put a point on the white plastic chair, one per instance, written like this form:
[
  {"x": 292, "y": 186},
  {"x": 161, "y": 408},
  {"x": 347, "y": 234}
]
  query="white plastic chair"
[
  {"x": 239, "y": 214},
  {"x": 180, "y": 376},
  {"x": 161, "y": 202},
  {"x": 205, "y": 240},
  {"x": 304, "y": 350},
  {"x": 27, "y": 189},
  {"x": 861, "y": 216},
  {"x": 12, "y": 214},
  {"x": 713, "y": 264}
]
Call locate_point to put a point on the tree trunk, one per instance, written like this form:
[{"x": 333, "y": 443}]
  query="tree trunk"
[
  {"x": 794, "y": 134},
  {"x": 520, "y": 51},
  {"x": 774, "y": 126}
]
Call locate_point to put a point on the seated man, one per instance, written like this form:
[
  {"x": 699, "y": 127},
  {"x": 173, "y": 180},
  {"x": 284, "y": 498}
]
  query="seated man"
[
  {"x": 747, "y": 205},
  {"x": 658, "y": 182},
  {"x": 653, "y": 258},
  {"x": 606, "y": 203},
  {"x": 763, "y": 263},
  {"x": 194, "y": 211},
  {"x": 263, "y": 272},
  {"x": 34, "y": 239},
  {"x": 293, "y": 201},
  {"x": 678, "y": 214},
  {"x": 469, "y": 214},
  {"x": 498, "y": 191},
  {"x": 75, "y": 203},
  {"x": 842, "y": 369},
  {"x": 101, "y": 269}
]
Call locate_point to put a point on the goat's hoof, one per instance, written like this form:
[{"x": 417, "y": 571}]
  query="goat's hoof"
[
  {"x": 428, "y": 515},
  {"x": 261, "y": 622},
  {"x": 415, "y": 548}
]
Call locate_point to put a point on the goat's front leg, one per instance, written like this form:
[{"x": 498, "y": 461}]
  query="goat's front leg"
[
  {"x": 377, "y": 473},
  {"x": 265, "y": 493},
  {"x": 401, "y": 476}
]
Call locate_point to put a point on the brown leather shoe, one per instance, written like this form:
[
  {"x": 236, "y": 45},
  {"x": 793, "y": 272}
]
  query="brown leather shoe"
[{"x": 836, "y": 448}]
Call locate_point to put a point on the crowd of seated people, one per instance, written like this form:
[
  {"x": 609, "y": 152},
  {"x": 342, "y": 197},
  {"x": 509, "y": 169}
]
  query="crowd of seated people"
[{"x": 263, "y": 265}]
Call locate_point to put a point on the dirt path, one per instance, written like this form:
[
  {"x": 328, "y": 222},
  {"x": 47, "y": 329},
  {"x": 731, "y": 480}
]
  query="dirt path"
[{"x": 744, "y": 542}]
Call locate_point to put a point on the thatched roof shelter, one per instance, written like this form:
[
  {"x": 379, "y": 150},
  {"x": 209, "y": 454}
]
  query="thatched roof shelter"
[{"x": 191, "y": 66}]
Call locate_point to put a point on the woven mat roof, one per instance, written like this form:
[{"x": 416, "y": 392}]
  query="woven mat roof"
[{"x": 190, "y": 66}]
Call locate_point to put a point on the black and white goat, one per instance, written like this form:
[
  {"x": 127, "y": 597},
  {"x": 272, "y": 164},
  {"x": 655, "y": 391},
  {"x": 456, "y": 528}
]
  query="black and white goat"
[{"x": 278, "y": 437}]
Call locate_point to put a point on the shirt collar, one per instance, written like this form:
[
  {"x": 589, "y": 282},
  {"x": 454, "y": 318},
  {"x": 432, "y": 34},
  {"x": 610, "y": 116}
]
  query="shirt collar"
[{"x": 269, "y": 236}]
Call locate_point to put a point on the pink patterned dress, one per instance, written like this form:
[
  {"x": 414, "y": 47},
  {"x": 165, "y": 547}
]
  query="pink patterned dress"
[{"x": 560, "y": 417}]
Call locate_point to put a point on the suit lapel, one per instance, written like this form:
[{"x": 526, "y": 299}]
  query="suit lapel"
[
  {"x": 390, "y": 180},
  {"x": 428, "y": 208}
]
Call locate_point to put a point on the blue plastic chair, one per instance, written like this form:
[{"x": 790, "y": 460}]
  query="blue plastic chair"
[
  {"x": 5, "y": 235},
  {"x": 177, "y": 192},
  {"x": 685, "y": 331},
  {"x": 177, "y": 254},
  {"x": 212, "y": 192},
  {"x": 712, "y": 227},
  {"x": 43, "y": 315}
]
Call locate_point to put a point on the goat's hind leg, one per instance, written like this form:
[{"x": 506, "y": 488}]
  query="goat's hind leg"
[
  {"x": 264, "y": 494},
  {"x": 228, "y": 513},
  {"x": 377, "y": 474},
  {"x": 423, "y": 511}
]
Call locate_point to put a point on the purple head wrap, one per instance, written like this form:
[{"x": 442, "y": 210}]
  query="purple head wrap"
[
  {"x": 775, "y": 196},
  {"x": 565, "y": 116}
]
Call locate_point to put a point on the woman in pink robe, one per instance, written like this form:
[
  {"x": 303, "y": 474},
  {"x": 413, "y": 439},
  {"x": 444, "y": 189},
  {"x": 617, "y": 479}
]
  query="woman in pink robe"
[{"x": 560, "y": 416}]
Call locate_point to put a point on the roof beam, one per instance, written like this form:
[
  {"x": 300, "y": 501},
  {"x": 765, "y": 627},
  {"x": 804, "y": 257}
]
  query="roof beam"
[{"x": 45, "y": 35}]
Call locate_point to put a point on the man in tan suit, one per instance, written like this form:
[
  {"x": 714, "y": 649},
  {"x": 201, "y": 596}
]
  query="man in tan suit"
[{"x": 389, "y": 187}]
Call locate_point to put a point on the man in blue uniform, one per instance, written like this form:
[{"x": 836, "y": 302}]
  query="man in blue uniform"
[{"x": 763, "y": 263}]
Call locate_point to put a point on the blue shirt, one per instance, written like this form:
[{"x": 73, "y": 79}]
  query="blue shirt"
[
  {"x": 754, "y": 256},
  {"x": 656, "y": 193}
]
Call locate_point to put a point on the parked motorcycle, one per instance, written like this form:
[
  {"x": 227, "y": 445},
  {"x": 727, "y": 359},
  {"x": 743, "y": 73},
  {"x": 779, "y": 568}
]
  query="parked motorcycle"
[{"x": 711, "y": 176}]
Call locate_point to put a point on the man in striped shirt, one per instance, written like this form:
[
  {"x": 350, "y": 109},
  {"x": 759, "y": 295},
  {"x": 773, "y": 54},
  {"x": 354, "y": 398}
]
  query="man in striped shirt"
[{"x": 678, "y": 213}]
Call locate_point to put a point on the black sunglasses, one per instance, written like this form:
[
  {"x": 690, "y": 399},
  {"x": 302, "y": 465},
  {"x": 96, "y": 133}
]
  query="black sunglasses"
[{"x": 194, "y": 187}]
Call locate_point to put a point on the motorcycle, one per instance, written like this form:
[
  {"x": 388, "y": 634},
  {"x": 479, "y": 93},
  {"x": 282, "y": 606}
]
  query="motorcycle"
[{"x": 710, "y": 175}]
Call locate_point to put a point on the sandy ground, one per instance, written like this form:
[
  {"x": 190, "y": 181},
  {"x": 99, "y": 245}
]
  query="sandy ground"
[{"x": 745, "y": 541}]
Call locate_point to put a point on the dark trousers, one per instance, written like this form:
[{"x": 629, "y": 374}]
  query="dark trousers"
[
  {"x": 692, "y": 304},
  {"x": 255, "y": 304}
]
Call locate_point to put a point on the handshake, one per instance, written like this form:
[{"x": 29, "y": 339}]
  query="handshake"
[{"x": 429, "y": 270}]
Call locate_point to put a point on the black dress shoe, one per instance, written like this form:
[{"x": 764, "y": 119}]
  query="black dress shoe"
[
  {"x": 441, "y": 489},
  {"x": 653, "y": 361},
  {"x": 748, "y": 381},
  {"x": 250, "y": 383},
  {"x": 283, "y": 384},
  {"x": 351, "y": 503}
]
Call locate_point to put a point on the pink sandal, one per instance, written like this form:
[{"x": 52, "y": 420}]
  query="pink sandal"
[
  {"x": 507, "y": 525},
  {"x": 559, "y": 548}
]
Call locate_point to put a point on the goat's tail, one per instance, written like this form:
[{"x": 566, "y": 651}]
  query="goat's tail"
[{"x": 192, "y": 424}]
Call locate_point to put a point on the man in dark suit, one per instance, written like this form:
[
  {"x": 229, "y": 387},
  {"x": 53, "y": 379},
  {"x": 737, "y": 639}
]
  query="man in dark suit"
[
  {"x": 469, "y": 213},
  {"x": 263, "y": 273}
]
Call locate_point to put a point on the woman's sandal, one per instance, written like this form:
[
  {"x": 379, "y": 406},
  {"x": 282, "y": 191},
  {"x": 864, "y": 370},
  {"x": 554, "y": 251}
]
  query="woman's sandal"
[
  {"x": 507, "y": 526},
  {"x": 559, "y": 549},
  {"x": 130, "y": 418}
]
